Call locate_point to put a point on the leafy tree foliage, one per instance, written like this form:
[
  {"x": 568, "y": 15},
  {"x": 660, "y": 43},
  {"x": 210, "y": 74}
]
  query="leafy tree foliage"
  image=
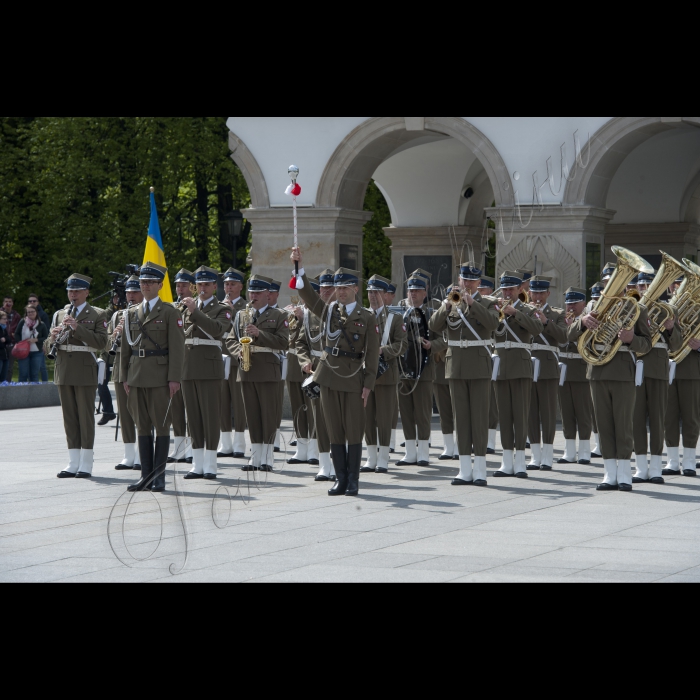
[{"x": 376, "y": 246}]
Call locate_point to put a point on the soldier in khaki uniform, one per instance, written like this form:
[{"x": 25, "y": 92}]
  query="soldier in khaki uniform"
[
  {"x": 514, "y": 385},
  {"x": 469, "y": 329},
  {"x": 614, "y": 394},
  {"x": 347, "y": 372},
  {"x": 382, "y": 401},
  {"x": 182, "y": 448},
  {"x": 390, "y": 300},
  {"x": 427, "y": 277},
  {"x": 81, "y": 333},
  {"x": 310, "y": 345},
  {"x": 233, "y": 444},
  {"x": 526, "y": 277},
  {"x": 575, "y": 393},
  {"x": 269, "y": 330},
  {"x": 545, "y": 349},
  {"x": 151, "y": 368},
  {"x": 131, "y": 460},
  {"x": 486, "y": 289},
  {"x": 652, "y": 400},
  {"x": 416, "y": 392},
  {"x": 443, "y": 400},
  {"x": 206, "y": 321}
]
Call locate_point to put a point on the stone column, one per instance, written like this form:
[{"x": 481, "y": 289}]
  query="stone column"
[
  {"x": 328, "y": 238},
  {"x": 438, "y": 249},
  {"x": 565, "y": 243}
]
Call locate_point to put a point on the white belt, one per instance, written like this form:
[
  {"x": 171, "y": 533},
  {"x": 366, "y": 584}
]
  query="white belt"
[
  {"x": 623, "y": 348},
  {"x": 545, "y": 348},
  {"x": 225, "y": 336},
  {"x": 252, "y": 349},
  {"x": 466, "y": 344},
  {"x": 291, "y": 352},
  {"x": 78, "y": 348},
  {"x": 661, "y": 346},
  {"x": 199, "y": 341},
  {"x": 513, "y": 346},
  {"x": 316, "y": 353},
  {"x": 570, "y": 356}
]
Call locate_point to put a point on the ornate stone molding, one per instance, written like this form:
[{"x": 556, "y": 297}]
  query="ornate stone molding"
[{"x": 244, "y": 159}]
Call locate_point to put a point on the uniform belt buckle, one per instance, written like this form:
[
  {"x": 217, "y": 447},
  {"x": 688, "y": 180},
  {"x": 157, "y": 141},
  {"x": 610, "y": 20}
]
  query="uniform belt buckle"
[
  {"x": 335, "y": 352},
  {"x": 142, "y": 353}
]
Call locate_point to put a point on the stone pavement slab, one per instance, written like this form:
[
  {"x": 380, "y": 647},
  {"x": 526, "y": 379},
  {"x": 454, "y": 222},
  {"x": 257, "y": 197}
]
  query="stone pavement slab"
[{"x": 410, "y": 526}]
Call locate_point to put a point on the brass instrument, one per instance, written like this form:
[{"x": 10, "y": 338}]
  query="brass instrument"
[
  {"x": 117, "y": 338},
  {"x": 456, "y": 298},
  {"x": 659, "y": 311},
  {"x": 615, "y": 311},
  {"x": 686, "y": 304},
  {"x": 63, "y": 337},
  {"x": 246, "y": 341}
]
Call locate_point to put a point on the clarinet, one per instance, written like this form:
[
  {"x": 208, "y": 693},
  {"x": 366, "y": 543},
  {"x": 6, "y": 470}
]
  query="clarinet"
[
  {"x": 116, "y": 345},
  {"x": 61, "y": 339}
]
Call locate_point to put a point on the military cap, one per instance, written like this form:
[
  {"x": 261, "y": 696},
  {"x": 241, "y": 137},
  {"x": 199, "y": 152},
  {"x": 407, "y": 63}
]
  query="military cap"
[
  {"x": 275, "y": 286},
  {"x": 597, "y": 291},
  {"x": 540, "y": 284},
  {"x": 233, "y": 275},
  {"x": 133, "y": 284},
  {"x": 315, "y": 285},
  {"x": 467, "y": 272},
  {"x": 646, "y": 278},
  {"x": 206, "y": 274},
  {"x": 184, "y": 276},
  {"x": 427, "y": 276},
  {"x": 258, "y": 283},
  {"x": 511, "y": 279},
  {"x": 77, "y": 283},
  {"x": 487, "y": 282},
  {"x": 525, "y": 275},
  {"x": 417, "y": 282},
  {"x": 608, "y": 271},
  {"x": 377, "y": 283},
  {"x": 346, "y": 278},
  {"x": 575, "y": 296},
  {"x": 152, "y": 272},
  {"x": 327, "y": 278},
  {"x": 392, "y": 288}
]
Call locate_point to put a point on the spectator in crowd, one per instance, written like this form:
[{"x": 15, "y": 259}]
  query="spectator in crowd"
[
  {"x": 34, "y": 301},
  {"x": 4, "y": 343},
  {"x": 13, "y": 319},
  {"x": 33, "y": 329}
]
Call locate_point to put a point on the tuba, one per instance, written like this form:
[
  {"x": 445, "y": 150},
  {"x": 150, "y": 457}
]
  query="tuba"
[
  {"x": 615, "y": 311},
  {"x": 686, "y": 304},
  {"x": 246, "y": 342},
  {"x": 659, "y": 311}
]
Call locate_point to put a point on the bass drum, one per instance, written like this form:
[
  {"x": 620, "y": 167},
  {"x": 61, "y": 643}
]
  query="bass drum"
[{"x": 415, "y": 360}]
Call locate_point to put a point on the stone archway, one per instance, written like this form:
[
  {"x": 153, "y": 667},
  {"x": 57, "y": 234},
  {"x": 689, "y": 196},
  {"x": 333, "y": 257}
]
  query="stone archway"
[
  {"x": 348, "y": 172},
  {"x": 245, "y": 160},
  {"x": 609, "y": 147}
]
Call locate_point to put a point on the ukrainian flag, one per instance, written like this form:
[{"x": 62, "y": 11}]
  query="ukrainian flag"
[{"x": 154, "y": 250}]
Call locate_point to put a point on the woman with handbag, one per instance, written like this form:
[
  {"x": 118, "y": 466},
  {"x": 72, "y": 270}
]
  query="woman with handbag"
[
  {"x": 29, "y": 338},
  {"x": 4, "y": 343}
]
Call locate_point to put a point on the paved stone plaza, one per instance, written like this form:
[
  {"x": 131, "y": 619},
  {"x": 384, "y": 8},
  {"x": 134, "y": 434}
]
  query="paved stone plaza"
[{"x": 409, "y": 526}]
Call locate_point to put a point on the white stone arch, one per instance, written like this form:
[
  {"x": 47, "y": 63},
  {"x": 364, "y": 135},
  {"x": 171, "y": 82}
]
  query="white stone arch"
[
  {"x": 245, "y": 160},
  {"x": 348, "y": 172},
  {"x": 608, "y": 148}
]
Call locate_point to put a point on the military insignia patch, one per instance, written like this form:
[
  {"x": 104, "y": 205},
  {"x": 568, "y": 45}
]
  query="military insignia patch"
[
  {"x": 376, "y": 328},
  {"x": 228, "y": 316},
  {"x": 286, "y": 324},
  {"x": 179, "y": 322},
  {"x": 104, "y": 323},
  {"x": 356, "y": 337}
]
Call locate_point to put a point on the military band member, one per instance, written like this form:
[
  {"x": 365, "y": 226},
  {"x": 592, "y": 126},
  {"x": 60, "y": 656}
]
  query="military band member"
[
  {"x": 115, "y": 331},
  {"x": 416, "y": 393},
  {"x": 434, "y": 304},
  {"x": 269, "y": 330},
  {"x": 275, "y": 287},
  {"x": 596, "y": 294},
  {"x": 382, "y": 401},
  {"x": 469, "y": 328},
  {"x": 206, "y": 321},
  {"x": 487, "y": 289},
  {"x": 233, "y": 422},
  {"x": 82, "y": 333},
  {"x": 545, "y": 349},
  {"x": 347, "y": 373},
  {"x": 182, "y": 448},
  {"x": 514, "y": 384},
  {"x": 525, "y": 276},
  {"x": 443, "y": 401},
  {"x": 614, "y": 393},
  {"x": 302, "y": 408},
  {"x": 390, "y": 300},
  {"x": 151, "y": 366},
  {"x": 652, "y": 400},
  {"x": 575, "y": 392},
  {"x": 310, "y": 345}
]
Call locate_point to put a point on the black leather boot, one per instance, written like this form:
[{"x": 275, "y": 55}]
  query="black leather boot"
[
  {"x": 161, "y": 457},
  {"x": 354, "y": 462},
  {"x": 146, "y": 448},
  {"x": 340, "y": 463}
]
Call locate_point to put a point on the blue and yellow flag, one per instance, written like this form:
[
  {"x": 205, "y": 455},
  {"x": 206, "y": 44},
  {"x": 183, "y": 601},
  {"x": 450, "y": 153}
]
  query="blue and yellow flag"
[{"x": 155, "y": 252}]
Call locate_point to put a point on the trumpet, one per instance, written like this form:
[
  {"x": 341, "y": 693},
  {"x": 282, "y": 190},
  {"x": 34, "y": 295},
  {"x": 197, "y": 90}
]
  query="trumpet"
[
  {"x": 63, "y": 336},
  {"x": 246, "y": 341},
  {"x": 117, "y": 338}
]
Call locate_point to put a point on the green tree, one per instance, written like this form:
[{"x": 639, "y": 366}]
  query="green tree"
[{"x": 376, "y": 252}]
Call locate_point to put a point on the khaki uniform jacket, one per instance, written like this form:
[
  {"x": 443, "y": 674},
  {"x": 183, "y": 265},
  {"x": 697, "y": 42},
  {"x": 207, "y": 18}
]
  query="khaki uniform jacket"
[
  {"x": 395, "y": 347},
  {"x": 516, "y": 363},
  {"x": 689, "y": 368},
  {"x": 274, "y": 335},
  {"x": 656, "y": 363},
  {"x": 576, "y": 370},
  {"x": 433, "y": 304},
  {"x": 204, "y": 361},
  {"x": 555, "y": 332},
  {"x": 164, "y": 326},
  {"x": 469, "y": 363},
  {"x": 346, "y": 374},
  {"x": 237, "y": 307},
  {"x": 80, "y": 368},
  {"x": 294, "y": 373},
  {"x": 622, "y": 368},
  {"x": 113, "y": 323},
  {"x": 308, "y": 352},
  {"x": 438, "y": 346}
]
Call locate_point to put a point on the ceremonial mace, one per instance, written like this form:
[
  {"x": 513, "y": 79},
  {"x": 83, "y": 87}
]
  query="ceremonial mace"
[{"x": 295, "y": 190}]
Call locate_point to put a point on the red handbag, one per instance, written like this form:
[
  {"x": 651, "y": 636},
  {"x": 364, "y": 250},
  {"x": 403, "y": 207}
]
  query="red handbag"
[{"x": 21, "y": 350}]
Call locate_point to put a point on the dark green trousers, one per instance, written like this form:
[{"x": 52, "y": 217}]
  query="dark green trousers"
[
  {"x": 380, "y": 415},
  {"x": 78, "y": 405},
  {"x": 416, "y": 409},
  {"x": 514, "y": 396},
  {"x": 345, "y": 416},
  {"x": 542, "y": 419},
  {"x": 470, "y": 399},
  {"x": 683, "y": 410},
  {"x": 614, "y": 409},
  {"x": 126, "y": 422},
  {"x": 150, "y": 407},
  {"x": 443, "y": 399},
  {"x": 576, "y": 410},
  {"x": 650, "y": 407}
]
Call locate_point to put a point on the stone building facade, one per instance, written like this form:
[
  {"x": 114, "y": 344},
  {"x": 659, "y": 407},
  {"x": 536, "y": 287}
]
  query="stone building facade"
[{"x": 559, "y": 190}]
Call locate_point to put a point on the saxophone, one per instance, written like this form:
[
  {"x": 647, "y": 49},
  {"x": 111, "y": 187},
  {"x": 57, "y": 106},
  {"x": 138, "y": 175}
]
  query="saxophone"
[
  {"x": 246, "y": 318},
  {"x": 615, "y": 310},
  {"x": 686, "y": 304}
]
